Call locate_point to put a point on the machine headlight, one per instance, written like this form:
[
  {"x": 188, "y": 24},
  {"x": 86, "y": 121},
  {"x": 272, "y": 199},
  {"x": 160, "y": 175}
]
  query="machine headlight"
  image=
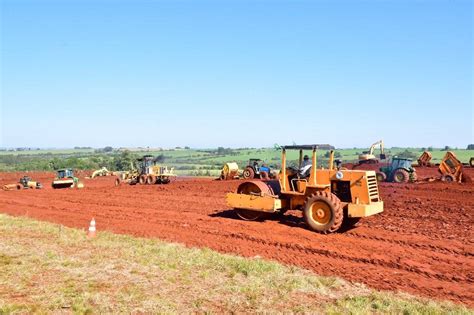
[{"x": 339, "y": 175}]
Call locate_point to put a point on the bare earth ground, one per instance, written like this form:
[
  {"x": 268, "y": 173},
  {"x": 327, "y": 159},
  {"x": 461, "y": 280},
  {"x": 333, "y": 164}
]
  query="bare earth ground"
[{"x": 422, "y": 244}]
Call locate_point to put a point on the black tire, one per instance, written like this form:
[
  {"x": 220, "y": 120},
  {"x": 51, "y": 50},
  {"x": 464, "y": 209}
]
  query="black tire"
[
  {"x": 249, "y": 215},
  {"x": 248, "y": 173},
  {"x": 117, "y": 181},
  {"x": 448, "y": 178},
  {"x": 165, "y": 180},
  {"x": 350, "y": 222},
  {"x": 381, "y": 177},
  {"x": 151, "y": 179},
  {"x": 401, "y": 176},
  {"x": 328, "y": 215},
  {"x": 264, "y": 176},
  {"x": 142, "y": 179}
]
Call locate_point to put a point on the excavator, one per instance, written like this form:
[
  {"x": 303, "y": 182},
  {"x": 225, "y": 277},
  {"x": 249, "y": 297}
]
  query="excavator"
[{"x": 369, "y": 157}]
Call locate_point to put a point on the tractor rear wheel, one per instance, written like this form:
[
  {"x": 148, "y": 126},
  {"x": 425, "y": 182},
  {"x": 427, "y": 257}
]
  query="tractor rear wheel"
[
  {"x": 323, "y": 212},
  {"x": 142, "y": 179},
  {"x": 401, "y": 176},
  {"x": 381, "y": 177},
  {"x": 151, "y": 179},
  {"x": 248, "y": 173}
]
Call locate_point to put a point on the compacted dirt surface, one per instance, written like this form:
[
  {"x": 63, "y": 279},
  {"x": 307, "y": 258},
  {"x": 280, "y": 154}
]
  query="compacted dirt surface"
[{"x": 422, "y": 244}]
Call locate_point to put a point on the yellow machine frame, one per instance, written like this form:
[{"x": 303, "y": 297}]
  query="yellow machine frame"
[{"x": 355, "y": 191}]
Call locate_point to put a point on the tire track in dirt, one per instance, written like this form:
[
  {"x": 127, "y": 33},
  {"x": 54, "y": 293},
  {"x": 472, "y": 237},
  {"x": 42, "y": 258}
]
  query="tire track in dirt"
[{"x": 421, "y": 244}]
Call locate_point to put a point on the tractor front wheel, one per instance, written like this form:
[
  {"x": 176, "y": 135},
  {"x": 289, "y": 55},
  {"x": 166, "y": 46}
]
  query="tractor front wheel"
[
  {"x": 248, "y": 173},
  {"x": 264, "y": 176},
  {"x": 381, "y": 177},
  {"x": 401, "y": 176},
  {"x": 323, "y": 212},
  {"x": 413, "y": 176}
]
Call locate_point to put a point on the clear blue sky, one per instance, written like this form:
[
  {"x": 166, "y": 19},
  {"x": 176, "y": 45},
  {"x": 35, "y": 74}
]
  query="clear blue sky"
[{"x": 236, "y": 73}]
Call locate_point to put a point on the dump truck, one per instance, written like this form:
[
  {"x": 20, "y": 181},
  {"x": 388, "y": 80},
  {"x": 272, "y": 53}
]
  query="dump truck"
[
  {"x": 425, "y": 159},
  {"x": 327, "y": 197},
  {"x": 65, "y": 179},
  {"x": 451, "y": 169},
  {"x": 255, "y": 169},
  {"x": 400, "y": 170}
]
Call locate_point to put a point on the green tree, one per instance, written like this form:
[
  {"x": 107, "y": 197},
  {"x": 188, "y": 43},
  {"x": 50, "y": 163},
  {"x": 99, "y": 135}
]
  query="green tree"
[{"x": 123, "y": 161}]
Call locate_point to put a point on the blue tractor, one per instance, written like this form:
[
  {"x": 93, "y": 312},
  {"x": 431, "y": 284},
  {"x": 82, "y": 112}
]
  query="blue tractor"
[
  {"x": 255, "y": 169},
  {"x": 398, "y": 171}
]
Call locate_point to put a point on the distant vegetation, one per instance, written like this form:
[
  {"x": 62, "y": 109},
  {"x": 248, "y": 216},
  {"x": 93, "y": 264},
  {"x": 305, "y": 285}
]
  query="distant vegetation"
[{"x": 186, "y": 161}]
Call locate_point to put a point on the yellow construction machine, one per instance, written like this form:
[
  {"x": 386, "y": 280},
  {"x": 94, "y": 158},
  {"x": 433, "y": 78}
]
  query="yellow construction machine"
[
  {"x": 101, "y": 172},
  {"x": 369, "y": 157},
  {"x": 425, "y": 159},
  {"x": 230, "y": 170},
  {"x": 328, "y": 197},
  {"x": 451, "y": 169}
]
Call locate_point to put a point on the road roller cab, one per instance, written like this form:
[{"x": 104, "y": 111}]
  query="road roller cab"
[
  {"x": 327, "y": 197},
  {"x": 65, "y": 179}
]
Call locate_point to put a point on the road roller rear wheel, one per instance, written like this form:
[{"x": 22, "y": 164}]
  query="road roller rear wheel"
[{"x": 323, "y": 212}]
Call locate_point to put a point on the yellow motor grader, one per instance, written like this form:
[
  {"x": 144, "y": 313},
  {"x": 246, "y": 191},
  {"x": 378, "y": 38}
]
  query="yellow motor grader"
[
  {"x": 327, "y": 197},
  {"x": 146, "y": 172}
]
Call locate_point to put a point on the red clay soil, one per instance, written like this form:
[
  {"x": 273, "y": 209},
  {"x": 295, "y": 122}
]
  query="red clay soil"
[{"x": 422, "y": 244}]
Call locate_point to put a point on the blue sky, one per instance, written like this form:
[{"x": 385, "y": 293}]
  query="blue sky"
[{"x": 236, "y": 73}]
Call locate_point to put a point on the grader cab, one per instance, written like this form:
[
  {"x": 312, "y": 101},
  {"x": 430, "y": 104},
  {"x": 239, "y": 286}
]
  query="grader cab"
[{"x": 328, "y": 197}]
